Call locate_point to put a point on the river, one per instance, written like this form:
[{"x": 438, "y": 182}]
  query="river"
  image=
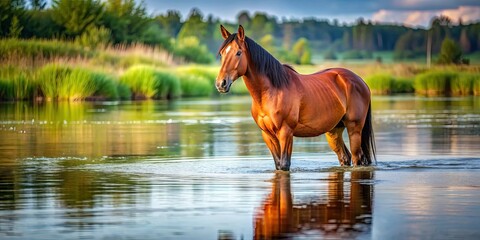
[{"x": 198, "y": 169}]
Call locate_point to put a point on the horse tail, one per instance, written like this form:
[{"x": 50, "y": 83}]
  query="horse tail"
[{"x": 368, "y": 139}]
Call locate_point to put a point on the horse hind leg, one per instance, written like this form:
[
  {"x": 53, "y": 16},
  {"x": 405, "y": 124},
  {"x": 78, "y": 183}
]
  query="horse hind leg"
[
  {"x": 354, "y": 129},
  {"x": 336, "y": 143}
]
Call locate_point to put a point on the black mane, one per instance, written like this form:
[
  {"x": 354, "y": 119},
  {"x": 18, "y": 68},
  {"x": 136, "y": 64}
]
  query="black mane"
[{"x": 263, "y": 61}]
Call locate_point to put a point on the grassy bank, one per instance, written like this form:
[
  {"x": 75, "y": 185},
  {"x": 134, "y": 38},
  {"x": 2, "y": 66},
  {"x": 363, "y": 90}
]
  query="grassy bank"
[{"x": 59, "y": 70}]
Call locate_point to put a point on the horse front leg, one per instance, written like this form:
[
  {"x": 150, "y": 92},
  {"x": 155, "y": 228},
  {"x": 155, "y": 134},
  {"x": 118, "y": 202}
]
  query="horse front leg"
[
  {"x": 274, "y": 146},
  {"x": 285, "y": 138}
]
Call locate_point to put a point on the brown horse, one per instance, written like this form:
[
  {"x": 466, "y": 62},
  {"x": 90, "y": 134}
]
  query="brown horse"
[{"x": 286, "y": 103}]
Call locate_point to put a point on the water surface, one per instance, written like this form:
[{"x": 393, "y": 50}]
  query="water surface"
[{"x": 198, "y": 169}]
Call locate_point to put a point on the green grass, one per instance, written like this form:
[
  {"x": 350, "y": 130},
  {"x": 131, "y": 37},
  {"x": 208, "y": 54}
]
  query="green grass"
[
  {"x": 34, "y": 48},
  {"x": 16, "y": 83},
  {"x": 146, "y": 82},
  {"x": 197, "y": 81},
  {"x": 380, "y": 84},
  {"x": 141, "y": 80},
  {"x": 462, "y": 84},
  {"x": 447, "y": 82},
  {"x": 433, "y": 83},
  {"x": 168, "y": 85}
]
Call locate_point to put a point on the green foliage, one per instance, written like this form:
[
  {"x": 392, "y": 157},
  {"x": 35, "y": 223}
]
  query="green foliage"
[
  {"x": 170, "y": 22},
  {"x": 403, "y": 85},
  {"x": 106, "y": 87},
  {"x": 301, "y": 50},
  {"x": 15, "y": 28},
  {"x": 17, "y": 83},
  {"x": 11, "y": 11},
  {"x": 168, "y": 85},
  {"x": 433, "y": 83},
  {"x": 77, "y": 16},
  {"x": 196, "y": 81},
  {"x": 124, "y": 92},
  {"x": 94, "y": 37},
  {"x": 64, "y": 83},
  {"x": 57, "y": 82},
  {"x": 141, "y": 80},
  {"x": 126, "y": 19},
  {"x": 387, "y": 84},
  {"x": 146, "y": 82},
  {"x": 40, "y": 49},
  {"x": 476, "y": 85},
  {"x": 380, "y": 84},
  {"x": 450, "y": 52},
  {"x": 6, "y": 90},
  {"x": 462, "y": 84},
  {"x": 49, "y": 79},
  {"x": 154, "y": 35},
  {"x": 190, "y": 50},
  {"x": 194, "y": 26}
]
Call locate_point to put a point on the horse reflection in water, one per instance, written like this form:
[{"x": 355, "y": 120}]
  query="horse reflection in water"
[{"x": 346, "y": 211}]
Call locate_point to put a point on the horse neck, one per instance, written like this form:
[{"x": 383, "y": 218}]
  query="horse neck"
[{"x": 257, "y": 84}]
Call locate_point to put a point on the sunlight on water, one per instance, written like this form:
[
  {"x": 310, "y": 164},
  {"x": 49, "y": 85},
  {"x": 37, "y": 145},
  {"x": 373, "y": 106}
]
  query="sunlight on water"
[{"x": 191, "y": 169}]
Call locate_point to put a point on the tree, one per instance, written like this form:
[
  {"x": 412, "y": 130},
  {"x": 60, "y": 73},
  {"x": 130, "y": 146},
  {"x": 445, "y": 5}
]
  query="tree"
[
  {"x": 38, "y": 4},
  {"x": 10, "y": 9},
  {"x": 170, "y": 22},
  {"x": 267, "y": 42},
  {"x": 126, "y": 19},
  {"x": 15, "y": 28},
  {"x": 194, "y": 26},
  {"x": 450, "y": 52},
  {"x": 77, "y": 16},
  {"x": 302, "y": 50}
]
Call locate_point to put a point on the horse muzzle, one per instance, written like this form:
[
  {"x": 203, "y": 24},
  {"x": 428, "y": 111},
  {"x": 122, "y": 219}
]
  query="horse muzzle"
[{"x": 224, "y": 85}]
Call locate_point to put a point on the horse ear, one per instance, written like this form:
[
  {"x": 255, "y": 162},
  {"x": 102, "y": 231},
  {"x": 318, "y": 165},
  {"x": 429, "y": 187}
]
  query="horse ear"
[
  {"x": 225, "y": 33},
  {"x": 241, "y": 33}
]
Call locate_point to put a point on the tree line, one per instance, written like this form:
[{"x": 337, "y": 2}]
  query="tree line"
[{"x": 94, "y": 23}]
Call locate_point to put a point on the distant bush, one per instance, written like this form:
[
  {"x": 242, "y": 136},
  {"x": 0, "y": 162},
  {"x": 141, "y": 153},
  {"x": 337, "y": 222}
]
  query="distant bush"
[
  {"x": 403, "y": 85},
  {"x": 387, "y": 84},
  {"x": 145, "y": 82},
  {"x": 380, "y": 84},
  {"x": 17, "y": 84},
  {"x": 196, "y": 82},
  {"x": 190, "y": 49},
  {"x": 462, "y": 84},
  {"x": 434, "y": 83},
  {"x": 476, "y": 85},
  {"x": 106, "y": 87},
  {"x": 168, "y": 85}
]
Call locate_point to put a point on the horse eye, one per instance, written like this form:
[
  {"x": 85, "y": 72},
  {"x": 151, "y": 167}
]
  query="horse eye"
[{"x": 239, "y": 53}]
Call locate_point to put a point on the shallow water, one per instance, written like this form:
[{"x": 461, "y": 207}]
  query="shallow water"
[{"x": 198, "y": 169}]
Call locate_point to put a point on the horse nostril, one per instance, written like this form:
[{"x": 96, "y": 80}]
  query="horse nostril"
[{"x": 224, "y": 83}]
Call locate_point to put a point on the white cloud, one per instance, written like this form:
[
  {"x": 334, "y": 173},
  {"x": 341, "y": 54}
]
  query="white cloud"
[{"x": 423, "y": 18}]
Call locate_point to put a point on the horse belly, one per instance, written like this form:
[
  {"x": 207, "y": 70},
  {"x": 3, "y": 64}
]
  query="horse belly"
[
  {"x": 313, "y": 125},
  {"x": 303, "y": 130}
]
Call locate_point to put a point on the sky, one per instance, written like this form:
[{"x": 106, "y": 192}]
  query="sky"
[{"x": 414, "y": 13}]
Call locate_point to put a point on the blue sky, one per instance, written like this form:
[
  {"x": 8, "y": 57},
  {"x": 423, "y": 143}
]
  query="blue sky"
[{"x": 409, "y": 12}]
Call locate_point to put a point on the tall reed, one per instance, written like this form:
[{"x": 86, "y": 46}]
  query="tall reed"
[
  {"x": 462, "y": 84},
  {"x": 434, "y": 83}
]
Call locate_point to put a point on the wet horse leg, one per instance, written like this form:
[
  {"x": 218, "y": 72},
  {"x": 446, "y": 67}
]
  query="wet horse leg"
[
  {"x": 274, "y": 146},
  {"x": 285, "y": 138},
  {"x": 354, "y": 129},
  {"x": 336, "y": 143}
]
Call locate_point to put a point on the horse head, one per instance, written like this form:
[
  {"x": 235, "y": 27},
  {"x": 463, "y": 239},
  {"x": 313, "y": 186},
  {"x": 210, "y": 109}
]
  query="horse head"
[{"x": 233, "y": 59}]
